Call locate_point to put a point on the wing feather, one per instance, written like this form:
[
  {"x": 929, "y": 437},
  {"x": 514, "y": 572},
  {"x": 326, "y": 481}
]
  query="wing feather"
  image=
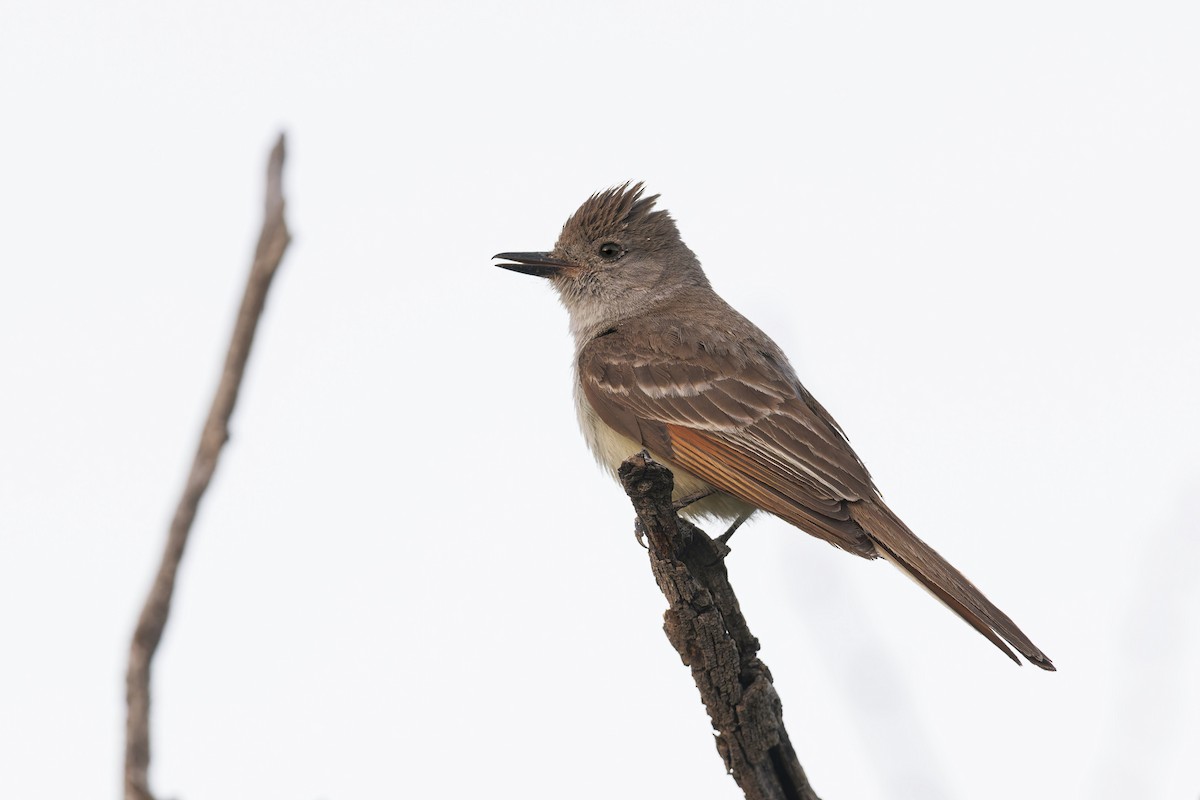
[{"x": 737, "y": 422}]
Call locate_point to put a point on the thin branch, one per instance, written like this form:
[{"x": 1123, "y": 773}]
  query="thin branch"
[
  {"x": 272, "y": 242},
  {"x": 705, "y": 625}
]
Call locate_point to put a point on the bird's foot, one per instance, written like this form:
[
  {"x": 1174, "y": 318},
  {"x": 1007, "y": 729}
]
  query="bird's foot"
[
  {"x": 728, "y": 534},
  {"x": 694, "y": 497}
]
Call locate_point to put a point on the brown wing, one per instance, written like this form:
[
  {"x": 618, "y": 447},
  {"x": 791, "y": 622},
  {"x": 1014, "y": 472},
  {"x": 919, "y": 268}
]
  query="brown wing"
[{"x": 738, "y": 418}]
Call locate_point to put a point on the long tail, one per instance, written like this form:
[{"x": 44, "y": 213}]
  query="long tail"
[{"x": 919, "y": 561}]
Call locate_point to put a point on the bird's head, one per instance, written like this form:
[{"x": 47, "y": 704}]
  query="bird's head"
[{"x": 616, "y": 257}]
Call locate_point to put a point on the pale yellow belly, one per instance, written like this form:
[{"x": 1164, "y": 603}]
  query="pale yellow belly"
[{"x": 611, "y": 448}]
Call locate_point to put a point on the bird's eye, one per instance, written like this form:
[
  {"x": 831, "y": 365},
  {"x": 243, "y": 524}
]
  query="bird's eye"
[{"x": 610, "y": 251}]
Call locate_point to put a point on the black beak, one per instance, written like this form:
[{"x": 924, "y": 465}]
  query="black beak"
[{"x": 542, "y": 265}]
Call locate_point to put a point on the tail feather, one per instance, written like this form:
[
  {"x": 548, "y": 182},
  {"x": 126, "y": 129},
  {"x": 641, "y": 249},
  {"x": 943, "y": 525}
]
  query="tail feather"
[{"x": 898, "y": 544}]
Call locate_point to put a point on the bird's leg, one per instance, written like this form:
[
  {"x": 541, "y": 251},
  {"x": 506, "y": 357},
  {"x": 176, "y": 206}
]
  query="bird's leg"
[
  {"x": 737, "y": 523},
  {"x": 694, "y": 497}
]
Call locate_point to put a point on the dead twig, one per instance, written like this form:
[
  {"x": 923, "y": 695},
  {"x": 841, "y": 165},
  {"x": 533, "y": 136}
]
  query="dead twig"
[{"x": 272, "y": 242}]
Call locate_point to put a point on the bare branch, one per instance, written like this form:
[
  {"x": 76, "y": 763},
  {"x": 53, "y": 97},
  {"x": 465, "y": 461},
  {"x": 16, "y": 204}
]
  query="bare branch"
[
  {"x": 705, "y": 625},
  {"x": 272, "y": 242}
]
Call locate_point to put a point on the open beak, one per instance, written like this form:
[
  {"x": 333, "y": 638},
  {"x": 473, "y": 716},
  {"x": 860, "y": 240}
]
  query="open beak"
[{"x": 542, "y": 265}]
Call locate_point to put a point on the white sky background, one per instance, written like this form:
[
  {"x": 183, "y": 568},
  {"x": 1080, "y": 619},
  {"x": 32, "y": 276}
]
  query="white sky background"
[{"x": 974, "y": 229}]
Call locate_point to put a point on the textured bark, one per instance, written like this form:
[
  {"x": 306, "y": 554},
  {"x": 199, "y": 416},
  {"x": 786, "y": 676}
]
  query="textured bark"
[
  {"x": 705, "y": 625},
  {"x": 272, "y": 242}
]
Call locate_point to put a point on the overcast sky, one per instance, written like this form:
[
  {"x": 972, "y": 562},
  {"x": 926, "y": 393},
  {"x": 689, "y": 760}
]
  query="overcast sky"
[{"x": 973, "y": 228}]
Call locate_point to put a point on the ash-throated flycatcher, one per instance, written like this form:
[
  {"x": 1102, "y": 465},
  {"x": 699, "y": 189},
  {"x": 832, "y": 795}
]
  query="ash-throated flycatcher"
[{"x": 664, "y": 364}]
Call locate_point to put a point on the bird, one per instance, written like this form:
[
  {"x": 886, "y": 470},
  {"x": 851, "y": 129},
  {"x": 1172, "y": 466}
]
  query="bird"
[{"x": 663, "y": 364}]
